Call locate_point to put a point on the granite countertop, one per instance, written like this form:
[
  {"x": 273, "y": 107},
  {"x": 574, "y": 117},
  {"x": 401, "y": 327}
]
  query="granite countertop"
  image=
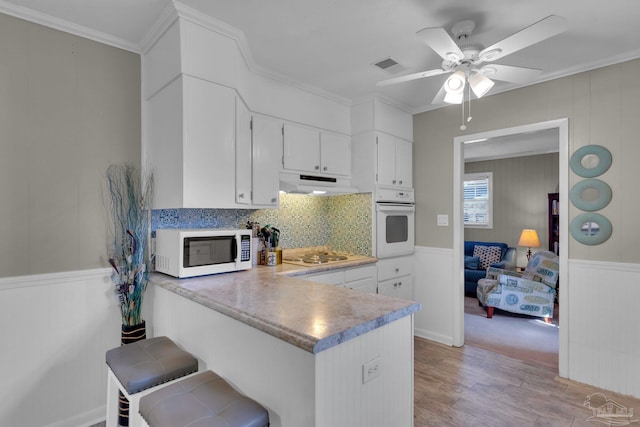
[{"x": 309, "y": 315}]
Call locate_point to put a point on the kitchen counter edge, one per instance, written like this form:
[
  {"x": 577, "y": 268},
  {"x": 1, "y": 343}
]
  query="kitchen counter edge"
[{"x": 378, "y": 310}]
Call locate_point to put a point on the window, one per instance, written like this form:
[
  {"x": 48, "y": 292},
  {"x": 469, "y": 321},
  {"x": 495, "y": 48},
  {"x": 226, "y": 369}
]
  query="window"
[{"x": 478, "y": 200}]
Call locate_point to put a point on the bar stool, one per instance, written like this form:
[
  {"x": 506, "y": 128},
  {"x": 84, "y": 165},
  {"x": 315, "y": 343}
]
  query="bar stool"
[
  {"x": 138, "y": 368},
  {"x": 202, "y": 400}
]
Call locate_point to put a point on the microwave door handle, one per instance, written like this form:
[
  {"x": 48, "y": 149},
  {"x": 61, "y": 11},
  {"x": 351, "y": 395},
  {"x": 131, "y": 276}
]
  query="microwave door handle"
[{"x": 234, "y": 248}]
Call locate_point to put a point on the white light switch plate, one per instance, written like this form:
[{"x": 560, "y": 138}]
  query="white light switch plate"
[{"x": 443, "y": 220}]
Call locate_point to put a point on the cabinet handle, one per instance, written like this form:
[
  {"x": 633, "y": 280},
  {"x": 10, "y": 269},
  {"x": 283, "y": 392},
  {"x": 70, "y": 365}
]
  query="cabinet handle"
[
  {"x": 324, "y": 168},
  {"x": 241, "y": 195},
  {"x": 397, "y": 270},
  {"x": 316, "y": 168},
  {"x": 393, "y": 182},
  {"x": 400, "y": 182},
  {"x": 399, "y": 284},
  {"x": 273, "y": 200}
]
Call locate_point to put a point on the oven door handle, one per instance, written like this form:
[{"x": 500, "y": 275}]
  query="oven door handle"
[{"x": 395, "y": 207}]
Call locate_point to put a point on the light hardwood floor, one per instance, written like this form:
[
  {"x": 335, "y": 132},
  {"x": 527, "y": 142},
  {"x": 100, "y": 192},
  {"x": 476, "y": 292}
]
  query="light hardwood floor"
[{"x": 470, "y": 386}]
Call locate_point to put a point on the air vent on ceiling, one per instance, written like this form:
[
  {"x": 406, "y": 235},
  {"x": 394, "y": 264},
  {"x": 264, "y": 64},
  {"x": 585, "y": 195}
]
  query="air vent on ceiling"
[{"x": 389, "y": 65}]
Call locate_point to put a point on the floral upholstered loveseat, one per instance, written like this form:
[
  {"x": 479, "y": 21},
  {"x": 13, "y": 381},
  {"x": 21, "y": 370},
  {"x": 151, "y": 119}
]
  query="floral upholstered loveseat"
[
  {"x": 531, "y": 292},
  {"x": 478, "y": 256}
]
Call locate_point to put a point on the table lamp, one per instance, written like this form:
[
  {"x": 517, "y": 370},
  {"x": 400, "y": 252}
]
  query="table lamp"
[{"x": 529, "y": 238}]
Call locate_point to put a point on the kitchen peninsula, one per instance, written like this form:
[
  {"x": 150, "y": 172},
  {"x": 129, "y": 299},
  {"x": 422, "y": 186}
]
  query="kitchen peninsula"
[{"x": 312, "y": 354}]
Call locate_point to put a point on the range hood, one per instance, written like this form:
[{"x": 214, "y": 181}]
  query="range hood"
[{"x": 294, "y": 183}]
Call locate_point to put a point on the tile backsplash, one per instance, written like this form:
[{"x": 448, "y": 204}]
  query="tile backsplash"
[{"x": 344, "y": 222}]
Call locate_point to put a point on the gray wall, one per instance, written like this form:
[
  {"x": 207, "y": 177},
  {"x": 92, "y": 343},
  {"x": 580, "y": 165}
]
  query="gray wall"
[
  {"x": 520, "y": 188},
  {"x": 68, "y": 108},
  {"x": 603, "y": 107}
]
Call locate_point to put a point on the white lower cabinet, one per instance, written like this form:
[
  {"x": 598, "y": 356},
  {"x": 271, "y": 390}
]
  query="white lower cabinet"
[
  {"x": 360, "y": 278},
  {"x": 401, "y": 287},
  {"x": 395, "y": 277}
]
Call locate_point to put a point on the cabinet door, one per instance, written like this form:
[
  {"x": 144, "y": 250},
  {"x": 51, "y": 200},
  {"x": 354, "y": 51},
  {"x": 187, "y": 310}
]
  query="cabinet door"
[
  {"x": 301, "y": 148},
  {"x": 335, "y": 154},
  {"x": 243, "y": 153},
  {"x": 209, "y": 142},
  {"x": 401, "y": 287},
  {"x": 404, "y": 163},
  {"x": 364, "y": 285},
  {"x": 386, "y": 146},
  {"x": 266, "y": 155}
]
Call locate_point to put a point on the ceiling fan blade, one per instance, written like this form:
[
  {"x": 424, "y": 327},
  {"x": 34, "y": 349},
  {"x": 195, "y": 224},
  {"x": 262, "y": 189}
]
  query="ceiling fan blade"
[
  {"x": 509, "y": 73},
  {"x": 441, "y": 42},
  {"x": 548, "y": 27},
  {"x": 409, "y": 77},
  {"x": 439, "y": 98}
]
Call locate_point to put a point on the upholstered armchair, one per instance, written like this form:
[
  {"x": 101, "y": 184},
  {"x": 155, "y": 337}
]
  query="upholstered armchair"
[{"x": 531, "y": 292}]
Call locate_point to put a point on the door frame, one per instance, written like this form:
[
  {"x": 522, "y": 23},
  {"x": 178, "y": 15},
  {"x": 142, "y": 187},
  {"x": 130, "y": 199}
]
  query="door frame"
[{"x": 458, "y": 228}]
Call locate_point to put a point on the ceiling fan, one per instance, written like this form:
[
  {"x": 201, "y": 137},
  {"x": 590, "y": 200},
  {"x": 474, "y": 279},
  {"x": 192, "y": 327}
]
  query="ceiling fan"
[{"x": 465, "y": 59}]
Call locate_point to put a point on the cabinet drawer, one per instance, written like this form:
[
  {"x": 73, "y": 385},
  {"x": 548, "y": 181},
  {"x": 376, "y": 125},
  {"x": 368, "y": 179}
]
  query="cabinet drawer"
[
  {"x": 395, "y": 267},
  {"x": 333, "y": 278},
  {"x": 359, "y": 273}
]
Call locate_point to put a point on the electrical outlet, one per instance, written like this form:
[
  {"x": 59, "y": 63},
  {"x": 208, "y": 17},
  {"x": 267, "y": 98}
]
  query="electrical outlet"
[{"x": 371, "y": 370}]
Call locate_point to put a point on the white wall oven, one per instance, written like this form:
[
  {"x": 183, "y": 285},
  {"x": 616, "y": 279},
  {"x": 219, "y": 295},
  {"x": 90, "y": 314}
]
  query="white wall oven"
[{"x": 395, "y": 223}]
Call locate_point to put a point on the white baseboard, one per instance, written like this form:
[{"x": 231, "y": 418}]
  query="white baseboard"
[
  {"x": 431, "y": 336},
  {"x": 86, "y": 419}
]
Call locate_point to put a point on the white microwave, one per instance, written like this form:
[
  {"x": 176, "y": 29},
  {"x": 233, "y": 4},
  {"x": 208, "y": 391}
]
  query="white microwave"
[{"x": 198, "y": 252}]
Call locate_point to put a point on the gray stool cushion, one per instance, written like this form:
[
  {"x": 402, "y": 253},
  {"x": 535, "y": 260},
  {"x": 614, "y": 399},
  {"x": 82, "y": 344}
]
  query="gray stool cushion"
[
  {"x": 147, "y": 363},
  {"x": 202, "y": 400}
]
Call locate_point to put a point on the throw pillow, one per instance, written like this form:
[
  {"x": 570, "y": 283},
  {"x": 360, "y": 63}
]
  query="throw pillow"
[
  {"x": 471, "y": 262},
  {"x": 487, "y": 255}
]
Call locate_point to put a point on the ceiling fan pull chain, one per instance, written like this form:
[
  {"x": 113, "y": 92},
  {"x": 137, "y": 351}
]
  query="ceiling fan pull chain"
[
  {"x": 463, "y": 126},
  {"x": 469, "y": 112}
]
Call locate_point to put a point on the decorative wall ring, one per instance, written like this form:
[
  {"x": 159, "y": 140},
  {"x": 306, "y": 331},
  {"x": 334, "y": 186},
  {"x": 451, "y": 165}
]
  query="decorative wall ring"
[
  {"x": 604, "y": 161},
  {"x": 601, "y": 187},
  {"x": 590, "y": 228}
]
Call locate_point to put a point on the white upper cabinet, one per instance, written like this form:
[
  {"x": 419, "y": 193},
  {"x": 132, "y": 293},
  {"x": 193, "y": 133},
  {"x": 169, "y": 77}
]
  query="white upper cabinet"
[
  {"x": 382, "y": 147},
  {"x": 191, "y": 144},
  {"x": 266, "y": 160},
  {"x": 243, "y": 154},
  {"x": 308, "y": 149},
  {"x": 258, "y": 158},
  {"x": 335, "y": 153},
  {"x": 395, "y": 166},
  {"x": 301, "y": 148}
]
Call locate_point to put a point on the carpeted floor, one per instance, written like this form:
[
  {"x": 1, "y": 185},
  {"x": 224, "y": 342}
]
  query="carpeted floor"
[{"x": 518, "y": 336}]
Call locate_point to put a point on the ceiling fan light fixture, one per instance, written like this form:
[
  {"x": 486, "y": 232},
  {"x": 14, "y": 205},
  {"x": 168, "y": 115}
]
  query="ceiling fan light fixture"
[
  {"x": 480, "y": 84},
  {"x": 454, "y": 98},
  {"x": 455, "y": 83}
]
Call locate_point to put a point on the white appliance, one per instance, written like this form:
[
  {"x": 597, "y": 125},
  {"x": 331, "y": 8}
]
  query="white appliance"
[
  {"x": 395, "y": 222},
  {"x": 197, "y": 252}
]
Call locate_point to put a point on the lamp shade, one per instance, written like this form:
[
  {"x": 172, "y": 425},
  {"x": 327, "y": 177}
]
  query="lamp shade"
[
  {"x": 529, "y": 238},
  {"x": 455, "y": 83},
  {"x": 480, "y": 84}
]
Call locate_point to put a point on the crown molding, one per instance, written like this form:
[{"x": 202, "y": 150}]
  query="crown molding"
[
  {"x": 235, "y": 34},
  {"x": 65, "y": 26}
]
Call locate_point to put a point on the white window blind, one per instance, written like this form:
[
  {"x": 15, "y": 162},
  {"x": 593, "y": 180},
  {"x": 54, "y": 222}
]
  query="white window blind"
[{"x": 478, "y": 200}]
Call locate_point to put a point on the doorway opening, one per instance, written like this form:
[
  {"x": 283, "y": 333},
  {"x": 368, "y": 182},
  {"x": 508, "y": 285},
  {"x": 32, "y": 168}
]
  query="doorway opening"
[{"x": 561, "y": 128}]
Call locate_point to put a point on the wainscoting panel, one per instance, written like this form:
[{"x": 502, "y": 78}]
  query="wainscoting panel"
[
  {"x": 433, "y": 289},
  {"x": 56, "y": 329},
  {"x": 603, "y": 319}
]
